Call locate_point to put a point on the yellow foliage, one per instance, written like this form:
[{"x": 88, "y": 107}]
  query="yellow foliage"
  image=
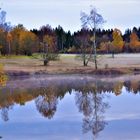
[
  {"x": 118, "y": 42},
  {"x": 1, "y": 68},
  {"x": 27, "y": 41},
  {"x": 3, "y": 77},
  {"x": 118, "y": 88},
  {"x": 26, "y": 36}
]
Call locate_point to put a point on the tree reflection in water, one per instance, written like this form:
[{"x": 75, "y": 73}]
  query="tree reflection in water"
[
  {"x": 46, "y": 105},
  {"x": 4, "y": 113},
  {"x": 91, "y": 104},
  {"x": 90, "y": 98},
  {"x": 3, "y": 81}
]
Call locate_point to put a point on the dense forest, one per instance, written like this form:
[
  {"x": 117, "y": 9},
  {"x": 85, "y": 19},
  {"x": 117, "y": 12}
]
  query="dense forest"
[{"x": 18, "y": 40}]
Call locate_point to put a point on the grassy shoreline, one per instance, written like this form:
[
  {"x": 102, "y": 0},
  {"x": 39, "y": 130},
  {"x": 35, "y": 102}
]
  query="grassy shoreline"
[{"x": 68, "y": 64}]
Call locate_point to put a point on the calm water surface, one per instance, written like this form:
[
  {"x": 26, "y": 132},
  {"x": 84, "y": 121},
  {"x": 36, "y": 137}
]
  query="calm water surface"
[{"x": 70, "y": 108}]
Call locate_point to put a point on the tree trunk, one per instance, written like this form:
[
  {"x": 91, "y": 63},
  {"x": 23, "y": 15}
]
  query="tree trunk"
[
  {"x": 45, "y": 62},
  {"x": 95, "y": 52},
  {"x": 85, "y": 63},
  {"x": 96, "y": 63},
  {"x": 112, "y": 54},
  {"x": 9, "y": 48}
]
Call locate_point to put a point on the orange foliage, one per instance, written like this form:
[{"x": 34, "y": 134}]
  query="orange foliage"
[
  {"x": 15, "y": 33},
  {"x": 134, "y": 42}
]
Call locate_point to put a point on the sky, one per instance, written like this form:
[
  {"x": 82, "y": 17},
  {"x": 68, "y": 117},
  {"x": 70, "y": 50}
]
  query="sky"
[{"x": 122, "y": 14}]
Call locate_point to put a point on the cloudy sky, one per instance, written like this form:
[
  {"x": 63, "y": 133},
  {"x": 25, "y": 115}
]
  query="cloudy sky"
[{"x": 120, "y": 14}]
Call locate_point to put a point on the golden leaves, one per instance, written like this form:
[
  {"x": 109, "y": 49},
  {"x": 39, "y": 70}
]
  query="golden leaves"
[
  {"x": 3, "y": 77},
  {"x": 117, "y": 42}
]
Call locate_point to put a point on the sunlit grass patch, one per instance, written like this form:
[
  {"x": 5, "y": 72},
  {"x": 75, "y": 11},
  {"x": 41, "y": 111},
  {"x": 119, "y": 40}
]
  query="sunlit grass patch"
[{"x": 67, "y": 56}]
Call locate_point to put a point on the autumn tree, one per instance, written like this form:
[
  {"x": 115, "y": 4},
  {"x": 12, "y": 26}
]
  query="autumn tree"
[
  {"x": 27, "y": 42},
  {"x": 117, "y": 43},
  {"x": 93, "y": 20},
  {"x": 3, "y": 48},
  {"x": 134, "y": 42},
  {"x": 50, "y": 51},
  {"x": 15, "y": 33},
  {"x": 9, "y": 40}
]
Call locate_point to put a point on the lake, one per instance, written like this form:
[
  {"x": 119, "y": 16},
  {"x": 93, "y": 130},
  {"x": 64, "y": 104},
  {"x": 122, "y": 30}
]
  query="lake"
[{"x": 70, "y": 107}]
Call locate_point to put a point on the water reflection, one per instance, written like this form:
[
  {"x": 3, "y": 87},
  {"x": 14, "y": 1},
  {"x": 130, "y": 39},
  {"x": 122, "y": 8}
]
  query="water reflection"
[
  {"x": 132, "y": 86},
  {"x": 91, "y": 104},
  {"x": 91, "y": 97},
  {"x": 4, "y": 113},
  {"x": 46, "y": 104}
]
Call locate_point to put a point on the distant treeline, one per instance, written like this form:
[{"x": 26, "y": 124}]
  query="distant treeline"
[
  {"x": 107, "y": 40},
  {"x": 18, "y": 40},
  {"x": 21, "y": 41}
]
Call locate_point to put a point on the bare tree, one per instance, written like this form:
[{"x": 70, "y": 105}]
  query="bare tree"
[
  {"x": 83, "y": 42},
  {"x": 92, "y": 21}
]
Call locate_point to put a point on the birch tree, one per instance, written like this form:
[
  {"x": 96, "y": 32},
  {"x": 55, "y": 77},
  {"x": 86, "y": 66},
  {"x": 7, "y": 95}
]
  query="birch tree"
[{"x": 92, "y": 21}]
